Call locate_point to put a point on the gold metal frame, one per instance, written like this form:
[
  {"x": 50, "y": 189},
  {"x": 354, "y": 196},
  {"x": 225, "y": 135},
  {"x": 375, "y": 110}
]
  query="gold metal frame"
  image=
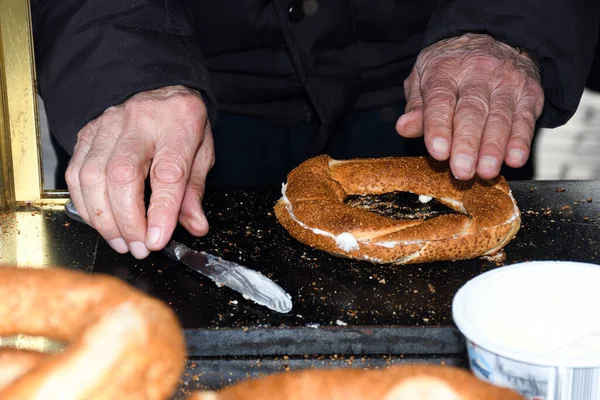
[{"x": 20, "y": 144}]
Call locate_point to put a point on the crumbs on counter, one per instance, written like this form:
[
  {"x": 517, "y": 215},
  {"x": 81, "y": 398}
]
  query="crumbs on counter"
[
  {"x": 560, "y": 189},
  {"x": 499, "y": 257}
]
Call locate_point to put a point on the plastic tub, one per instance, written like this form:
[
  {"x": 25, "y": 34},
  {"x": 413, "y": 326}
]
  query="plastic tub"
[{"x": 535, "y": 328}]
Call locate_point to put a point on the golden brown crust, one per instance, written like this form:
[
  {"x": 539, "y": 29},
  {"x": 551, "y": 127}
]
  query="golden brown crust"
[
  {"x": 393, "y": 383},
  {"x": 133, "y": 343},
  {"x": 312, "y": 210}
]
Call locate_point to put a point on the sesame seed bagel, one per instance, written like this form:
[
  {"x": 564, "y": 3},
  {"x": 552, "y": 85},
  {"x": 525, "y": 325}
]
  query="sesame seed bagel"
[
  {"x": 119, "y": 342},
  {"x": 313, "y": 211},
  {"x": 422, "y": 382}
]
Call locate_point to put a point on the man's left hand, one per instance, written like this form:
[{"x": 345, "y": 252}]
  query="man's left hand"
[{"x": 476, "y": 100}]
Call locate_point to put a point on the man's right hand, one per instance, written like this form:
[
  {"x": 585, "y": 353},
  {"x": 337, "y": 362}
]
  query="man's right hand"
[{"x": 164, "y": 133}]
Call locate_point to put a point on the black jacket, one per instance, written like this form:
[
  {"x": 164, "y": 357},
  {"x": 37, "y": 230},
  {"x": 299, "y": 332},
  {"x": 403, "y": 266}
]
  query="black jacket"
[
  {"x": 593, "y": 81},
  {"x": 286, "y": 59}
]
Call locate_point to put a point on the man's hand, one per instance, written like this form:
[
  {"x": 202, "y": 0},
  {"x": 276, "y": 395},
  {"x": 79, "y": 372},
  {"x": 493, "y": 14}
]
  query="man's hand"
[
  {"x": 163, "y": 133},
  {"x": 476, "y": 100}
]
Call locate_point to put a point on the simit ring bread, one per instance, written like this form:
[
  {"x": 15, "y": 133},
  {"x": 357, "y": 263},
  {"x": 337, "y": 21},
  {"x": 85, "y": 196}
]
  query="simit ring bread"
[
  {"x": 312, "y": 209},
  {"x": 120, "y": 343},
  {"x": 406, "y": 382}
]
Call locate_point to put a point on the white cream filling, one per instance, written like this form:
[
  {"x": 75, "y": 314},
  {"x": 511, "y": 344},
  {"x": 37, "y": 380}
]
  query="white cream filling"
[
  {"x": 347, "y": 239},
  {"x": 389, "y": 244},
  {"x": 425, "y": 199},
  {"x": 344, "y": 241}
]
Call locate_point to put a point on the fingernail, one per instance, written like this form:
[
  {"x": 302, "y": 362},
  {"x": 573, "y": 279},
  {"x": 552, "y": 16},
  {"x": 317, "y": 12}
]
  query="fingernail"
[
  {"x": 440, "y": 146},
  {"x": 153, "y": 237},
  {"x": 119, "y": 245},
  {"x": 463, "y": 163},
  {"x": 489, "y": 163},
  {"x": 516, "y": 156},
  {"x": 138, "y": 250}
]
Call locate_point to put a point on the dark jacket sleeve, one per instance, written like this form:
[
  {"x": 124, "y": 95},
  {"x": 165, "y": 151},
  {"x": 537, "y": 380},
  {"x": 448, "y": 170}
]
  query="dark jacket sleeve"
[
  {"x": 93, "y": 54},
  {"x": 559, "y": 34}
]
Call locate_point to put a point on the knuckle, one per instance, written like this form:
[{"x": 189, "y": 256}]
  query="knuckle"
[
  {"x": 129, "y": 229},
  {"x": 535, "y": 96},
  {"x": 189, "y": 104},
  {"x": 496, "y": 133},
  {"x": 142, "y": 111},
  {"x": 440, "y": 98},
  {"x": 196, "y": 186},
  {"x": 504, "y": 101},
  {"x": 473, "y": 105},
  {"x": 190, "y": 111},
  {"x": 169, "y": 170},
  {"x": 123, "y": 171},
  {"x": 438, "y": 87},
  {"x": 480, "y": 64},
  {"x": 535, "y": 89},
  {"x": 72, "y": 177},
  {"x": 163, "y": 202},
  {"x": 439, "y": 123},
  {"x": 109, "y": 116},
  {"x": 499, "y": 120},
  {"x": 86, "y": 134},
  {"x": 494, "y": 147},
  {"x": 180, "y": 142},
  {"x": 525, "y": 119},
  {"x": 91, "y": 174},
  {"x": 103, "y": 223},
  {"x": 467, "y": 140},
  {"x": 521, "y": 141},
  {"x": 112, "y": 110}
]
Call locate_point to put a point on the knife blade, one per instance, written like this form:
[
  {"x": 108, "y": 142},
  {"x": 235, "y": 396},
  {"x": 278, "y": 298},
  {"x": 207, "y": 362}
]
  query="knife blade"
[{"x": 251, "y": 284}]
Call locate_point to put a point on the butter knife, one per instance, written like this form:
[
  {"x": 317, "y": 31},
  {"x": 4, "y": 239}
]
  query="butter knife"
[{"x": 251, "y": 284}]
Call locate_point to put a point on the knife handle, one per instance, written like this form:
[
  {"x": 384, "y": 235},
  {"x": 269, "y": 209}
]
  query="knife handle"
[{"x": 72, "y": 212}]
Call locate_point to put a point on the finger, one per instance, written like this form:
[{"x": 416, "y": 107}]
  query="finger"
[
  {"x": 496, "y": 133},
  {"x": 168, "y": 178},
  {"x": 192, "y": 216},
  {"x": 470, "y": 115},
  {"x": 84, "y": 142},
  {"x": 519, "y": 144},
  {"x": 92, "y": 177},
  {"x": 410, "y": 125},
  {"x": 439, "y": 100},
  {"x": 126, "y": 171},
  {"x": 527, "y": 111}
]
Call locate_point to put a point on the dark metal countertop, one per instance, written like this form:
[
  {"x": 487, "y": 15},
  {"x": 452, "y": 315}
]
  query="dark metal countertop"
[{"x": 341, "y": 307}]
